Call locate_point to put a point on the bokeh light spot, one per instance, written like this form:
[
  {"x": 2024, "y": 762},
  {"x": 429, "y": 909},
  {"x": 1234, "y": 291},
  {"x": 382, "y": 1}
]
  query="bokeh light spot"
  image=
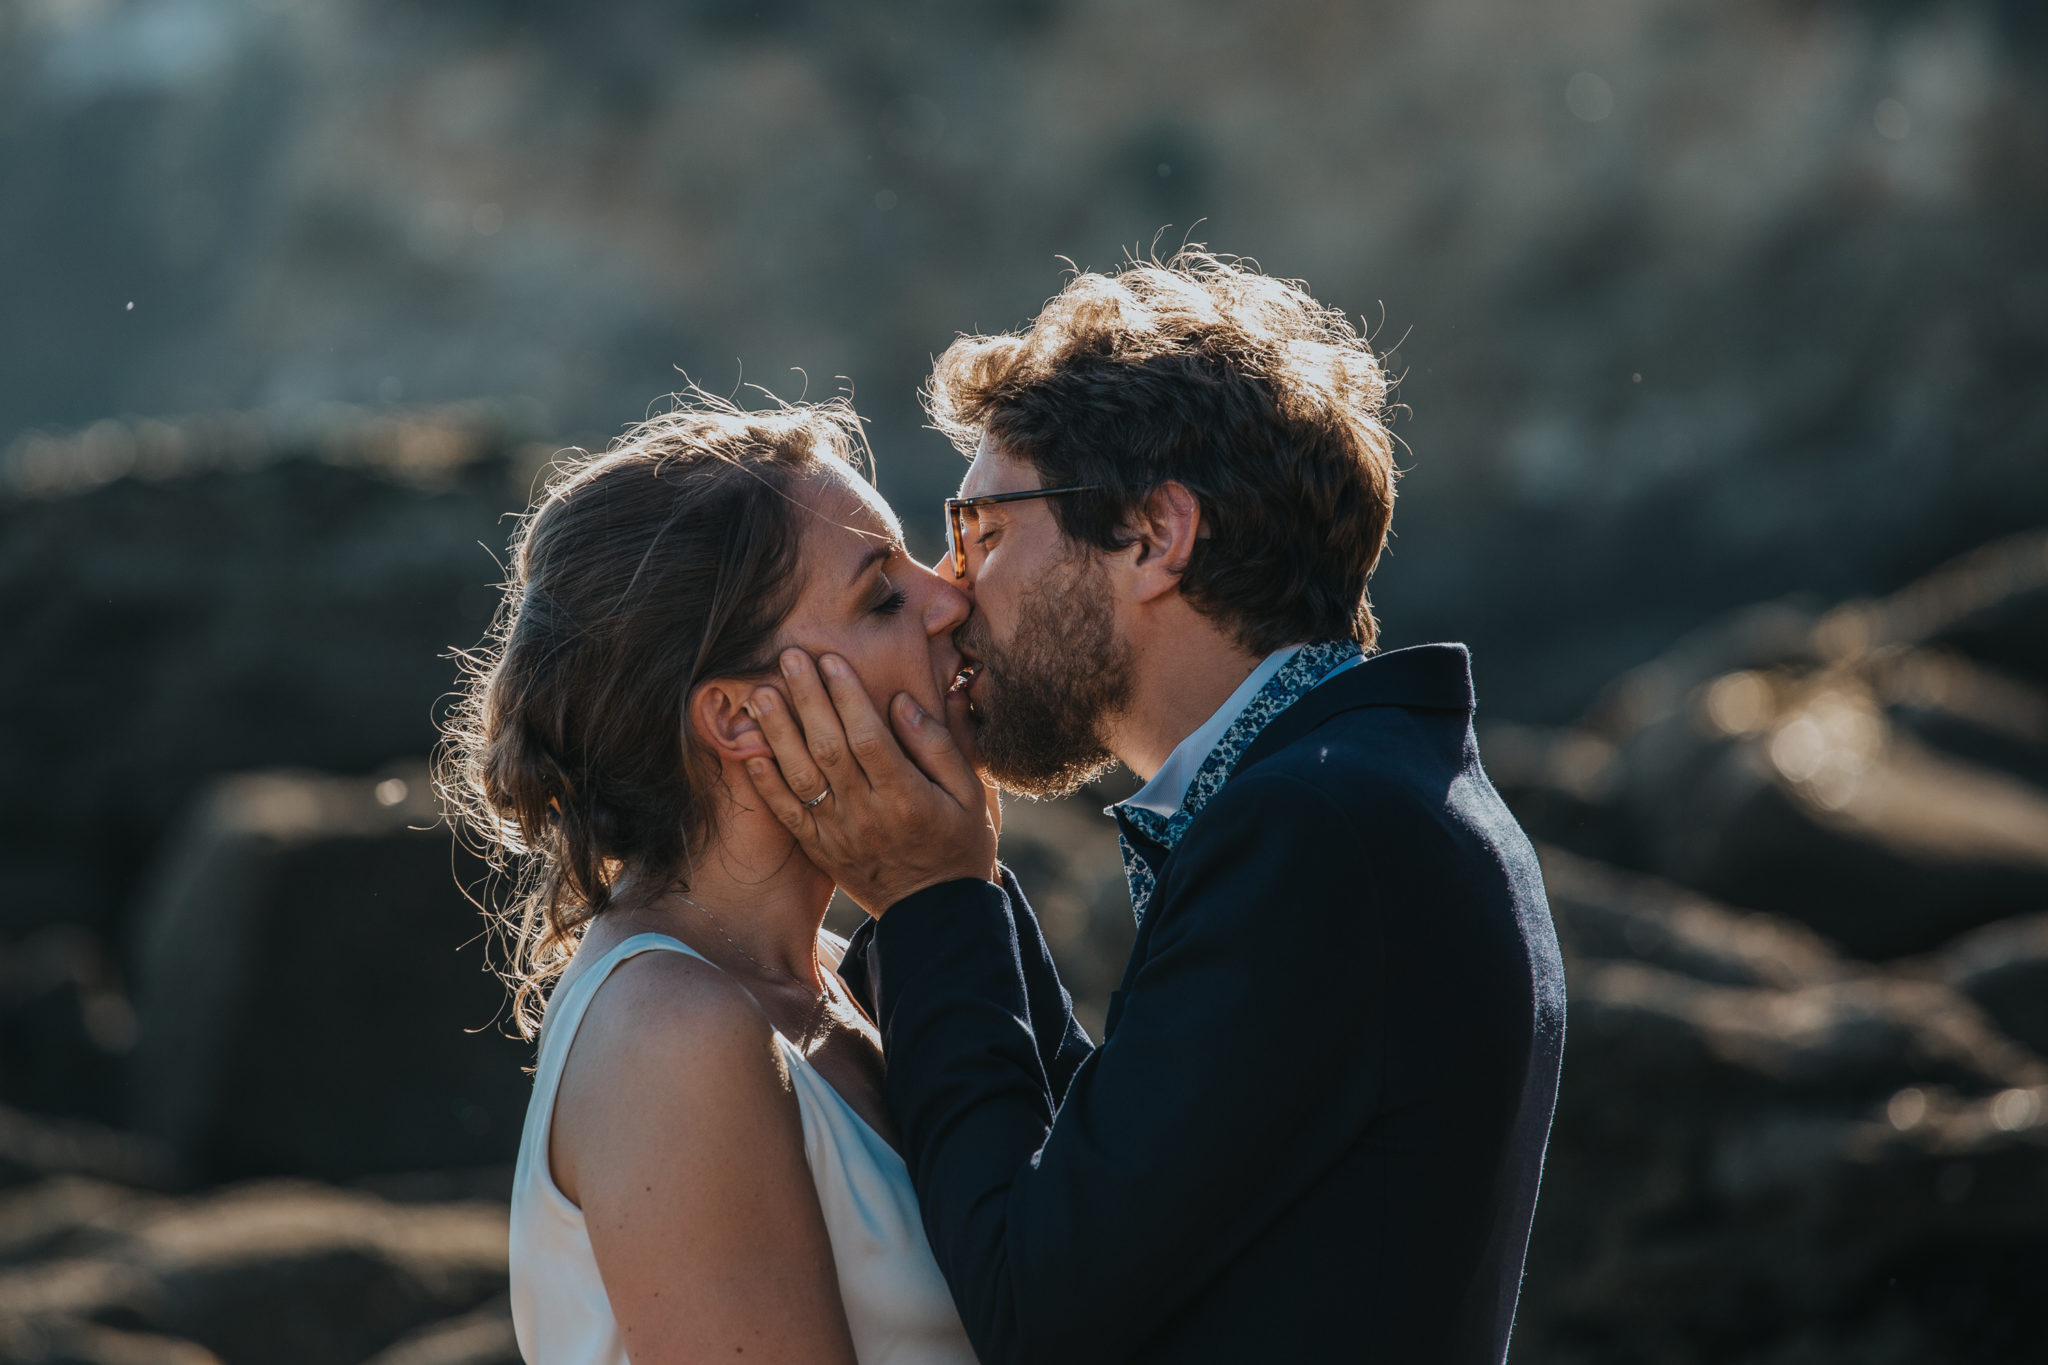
[
  {"x": 1739, "y": 704},
  {"x": 2015, "y": 1109}
]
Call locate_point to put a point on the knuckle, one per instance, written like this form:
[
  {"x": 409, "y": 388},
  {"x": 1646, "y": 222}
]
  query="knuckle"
[{"x": 826, "y": 751}]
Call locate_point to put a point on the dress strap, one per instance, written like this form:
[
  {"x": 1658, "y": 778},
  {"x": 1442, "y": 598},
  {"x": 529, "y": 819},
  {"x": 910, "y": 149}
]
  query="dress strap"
[{"x": 566, "y": 1010}]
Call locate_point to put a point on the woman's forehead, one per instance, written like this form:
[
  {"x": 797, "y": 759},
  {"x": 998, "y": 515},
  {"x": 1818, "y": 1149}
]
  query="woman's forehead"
[{"x": 845, "y": 502}]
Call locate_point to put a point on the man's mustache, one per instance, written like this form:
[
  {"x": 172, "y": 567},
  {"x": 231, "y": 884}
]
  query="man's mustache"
[{"x": 972, "y": 639}]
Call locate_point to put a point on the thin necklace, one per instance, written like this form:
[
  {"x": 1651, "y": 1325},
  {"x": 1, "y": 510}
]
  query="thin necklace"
[{"x": 818, "y": 1007}]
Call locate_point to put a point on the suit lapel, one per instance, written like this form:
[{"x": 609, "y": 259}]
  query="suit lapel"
[{"x": 1432, "y": 677}]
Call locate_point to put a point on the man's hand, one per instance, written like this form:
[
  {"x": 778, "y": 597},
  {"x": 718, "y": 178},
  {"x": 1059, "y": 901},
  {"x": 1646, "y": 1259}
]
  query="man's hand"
[{"x": 906, "y": 809}]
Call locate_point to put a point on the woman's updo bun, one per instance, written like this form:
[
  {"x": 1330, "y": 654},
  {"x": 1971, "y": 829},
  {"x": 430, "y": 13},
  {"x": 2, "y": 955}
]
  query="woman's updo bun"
[{"x": 668, "y": 560}]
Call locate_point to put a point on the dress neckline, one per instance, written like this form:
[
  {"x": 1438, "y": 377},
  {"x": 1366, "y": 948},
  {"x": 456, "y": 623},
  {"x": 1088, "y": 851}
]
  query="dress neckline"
[
  {"x": 638, "y": 944},
  {"x": 838, "y": 1098}
]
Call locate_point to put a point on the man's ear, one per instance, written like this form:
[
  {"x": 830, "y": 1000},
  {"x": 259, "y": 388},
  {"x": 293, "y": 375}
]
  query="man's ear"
[
  {"x": 1163, "y": 530},
  {"x": 718, "y": 719}
]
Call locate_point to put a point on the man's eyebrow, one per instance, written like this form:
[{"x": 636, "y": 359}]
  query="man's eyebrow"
[{"x": 874, "y": 555}]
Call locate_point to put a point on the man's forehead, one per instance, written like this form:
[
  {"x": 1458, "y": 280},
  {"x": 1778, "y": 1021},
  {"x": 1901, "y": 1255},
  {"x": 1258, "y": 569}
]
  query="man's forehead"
[{"x": 996, "y": 471}]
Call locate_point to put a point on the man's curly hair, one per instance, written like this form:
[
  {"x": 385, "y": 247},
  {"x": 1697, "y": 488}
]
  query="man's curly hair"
[{"x": 1204, "y": 371}]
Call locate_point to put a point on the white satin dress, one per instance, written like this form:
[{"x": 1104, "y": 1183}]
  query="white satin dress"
[{"x": 896, "y": 1301}]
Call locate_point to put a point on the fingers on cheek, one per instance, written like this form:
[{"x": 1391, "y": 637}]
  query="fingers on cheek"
[{"x": 766, "y": 706}]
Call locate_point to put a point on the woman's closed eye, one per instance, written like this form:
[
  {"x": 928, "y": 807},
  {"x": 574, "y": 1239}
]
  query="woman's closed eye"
[{"x": 893, "y": 601}]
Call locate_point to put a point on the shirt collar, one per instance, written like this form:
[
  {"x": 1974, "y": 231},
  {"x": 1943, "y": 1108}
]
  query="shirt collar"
[
  {"x": 1304, "y": 668},
  {"x": 1169, "y": 786}
]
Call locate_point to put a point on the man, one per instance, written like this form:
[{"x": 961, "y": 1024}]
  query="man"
[{"x": 1315, "y": 1124}]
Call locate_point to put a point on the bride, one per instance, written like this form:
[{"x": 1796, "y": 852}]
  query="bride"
[{"x": 707, "y": 1170}]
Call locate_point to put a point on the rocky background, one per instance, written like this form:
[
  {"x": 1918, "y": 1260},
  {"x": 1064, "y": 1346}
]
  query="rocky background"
[{"x": 1722, "y": 329}]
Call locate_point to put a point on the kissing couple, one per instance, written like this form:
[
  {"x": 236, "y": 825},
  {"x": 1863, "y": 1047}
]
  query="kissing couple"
[{"x": 720, "y": 686}]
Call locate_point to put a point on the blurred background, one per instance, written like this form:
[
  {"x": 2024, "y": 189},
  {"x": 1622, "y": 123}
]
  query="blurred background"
[{"x": 1721, "y": 331}]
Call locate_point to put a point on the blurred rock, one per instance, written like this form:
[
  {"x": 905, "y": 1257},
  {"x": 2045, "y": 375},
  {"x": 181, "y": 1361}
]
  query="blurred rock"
[
  {"x": 1854, "y": 770},
  {"x": 1990, "y": 604},
  {"x": 1602, "y": 913},
  {"x": 68, "y": 1342},
  {"x": 286, "y": 1273},
  {"x": 1725, "y": 332},
  {"x": 1560, "y": 783},
  {"x": 33, "y": 1148},
  {"x": 2004, "y": 968},
  {"x": 245, "y": 594},
  {"x": 314, "y": 994},
  {"x": 66, "y": 1023},
  {"x": 484, "y": 1337},
  {"x": 1766, "y": 1154}
]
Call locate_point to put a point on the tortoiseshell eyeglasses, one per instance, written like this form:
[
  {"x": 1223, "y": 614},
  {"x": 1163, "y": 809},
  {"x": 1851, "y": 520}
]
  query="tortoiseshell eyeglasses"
[{"x": 956, "y": 521}]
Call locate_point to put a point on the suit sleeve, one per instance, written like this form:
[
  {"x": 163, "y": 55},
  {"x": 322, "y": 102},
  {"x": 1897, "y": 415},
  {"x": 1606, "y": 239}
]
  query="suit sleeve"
[
  {"x": 1061, "y": 1042},
  {"x": 1247, "y": 1058}
]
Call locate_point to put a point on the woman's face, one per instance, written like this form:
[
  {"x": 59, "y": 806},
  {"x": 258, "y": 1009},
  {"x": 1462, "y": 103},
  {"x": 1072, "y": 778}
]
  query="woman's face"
[{"x": 866, "y": 600}]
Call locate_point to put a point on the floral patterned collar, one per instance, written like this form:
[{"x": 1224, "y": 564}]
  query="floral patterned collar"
[{"x": 1298, "y": 677}]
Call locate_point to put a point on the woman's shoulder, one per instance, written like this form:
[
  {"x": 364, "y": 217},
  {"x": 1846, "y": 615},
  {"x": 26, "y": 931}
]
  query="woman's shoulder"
[
  {"x": 667, "y": 1044},
  {"x": 666, "y": 1026},
  {"x": 668, "y": 1001}
]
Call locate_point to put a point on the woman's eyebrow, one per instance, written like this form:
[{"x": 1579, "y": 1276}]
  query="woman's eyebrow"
[{"x": 873, "y": 556}]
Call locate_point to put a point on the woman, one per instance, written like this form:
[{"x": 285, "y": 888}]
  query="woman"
[{"x": 706, "y": 1169}]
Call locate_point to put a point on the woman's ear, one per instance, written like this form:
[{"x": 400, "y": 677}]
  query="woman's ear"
[
  {"x": 719, "y": 720},
  {"x": 1164, "y": 529}
]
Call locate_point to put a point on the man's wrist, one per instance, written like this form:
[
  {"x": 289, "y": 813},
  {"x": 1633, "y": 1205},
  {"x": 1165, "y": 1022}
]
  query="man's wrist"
[{"x": 911, "y": 891}]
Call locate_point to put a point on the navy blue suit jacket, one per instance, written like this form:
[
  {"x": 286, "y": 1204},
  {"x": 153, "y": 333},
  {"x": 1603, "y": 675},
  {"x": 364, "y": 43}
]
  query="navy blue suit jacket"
[{"x": 1315, "y": 1124}]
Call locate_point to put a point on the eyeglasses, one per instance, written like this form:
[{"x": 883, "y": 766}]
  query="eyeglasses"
[{"x": 956, "y": 525}]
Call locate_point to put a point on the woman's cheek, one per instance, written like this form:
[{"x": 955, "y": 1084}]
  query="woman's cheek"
[{"x": 881, "y": 670}]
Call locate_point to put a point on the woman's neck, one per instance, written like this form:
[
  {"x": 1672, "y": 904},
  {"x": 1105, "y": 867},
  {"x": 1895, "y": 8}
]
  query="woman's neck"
[{"x": 750, "y": 891}]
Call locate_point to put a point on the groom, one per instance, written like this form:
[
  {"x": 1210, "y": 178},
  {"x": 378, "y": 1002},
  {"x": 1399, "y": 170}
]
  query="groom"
[{"x": 1314, "y": 1127}]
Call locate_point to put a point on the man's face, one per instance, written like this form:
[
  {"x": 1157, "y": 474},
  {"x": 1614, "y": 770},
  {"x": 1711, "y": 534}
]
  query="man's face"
[{"x": 1051, "y": 666}]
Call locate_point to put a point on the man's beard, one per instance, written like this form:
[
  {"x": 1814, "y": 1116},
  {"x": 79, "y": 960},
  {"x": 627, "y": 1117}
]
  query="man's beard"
[{"x": 1047, "y": 694}]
